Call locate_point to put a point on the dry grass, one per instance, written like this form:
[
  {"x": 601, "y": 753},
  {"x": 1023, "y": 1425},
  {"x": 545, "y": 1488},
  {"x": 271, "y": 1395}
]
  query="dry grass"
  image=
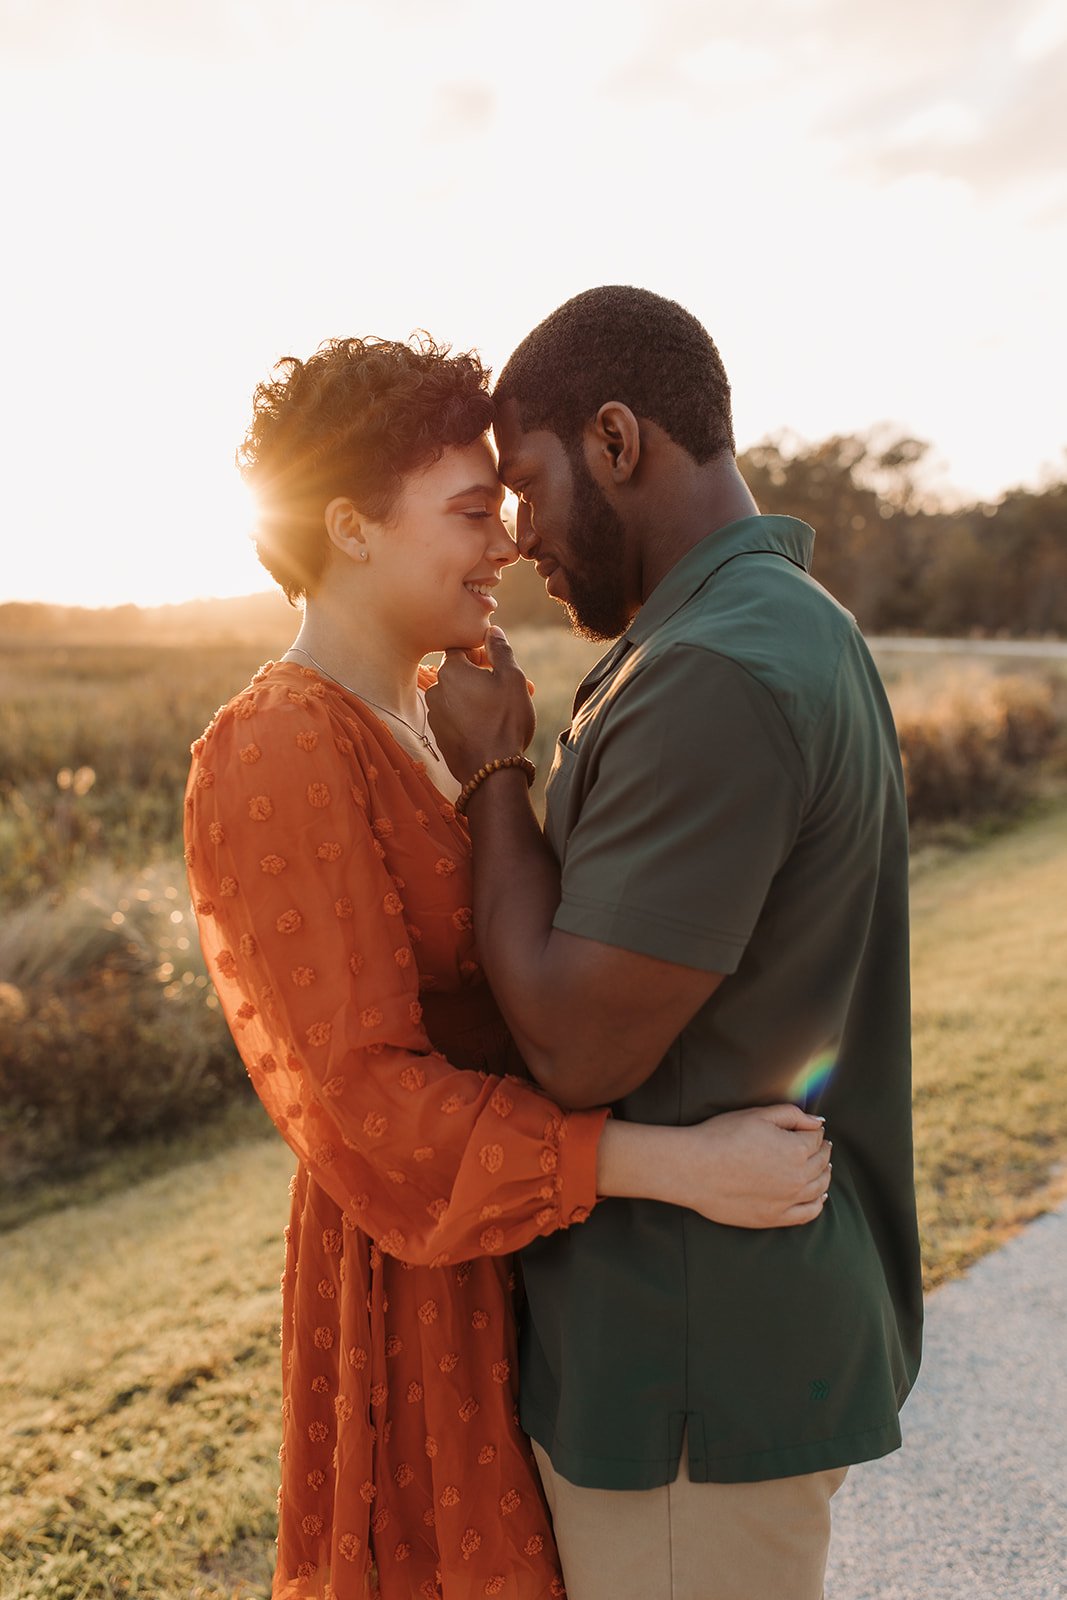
[
  {"x": 94, "y": 741},
  {"x": 973, "y": 743},
  {"x": 120, "y": 721}
]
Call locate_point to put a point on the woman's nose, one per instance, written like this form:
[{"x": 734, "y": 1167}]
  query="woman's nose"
[{"x": 502, "y": 548}]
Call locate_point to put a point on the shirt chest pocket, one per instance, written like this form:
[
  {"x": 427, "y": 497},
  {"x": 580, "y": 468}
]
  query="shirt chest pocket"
[{"x": 563, "y": 793}]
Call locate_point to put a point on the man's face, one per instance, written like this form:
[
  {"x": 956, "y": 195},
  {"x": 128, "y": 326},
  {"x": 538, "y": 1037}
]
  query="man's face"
[{"x": 566, "y": 526}]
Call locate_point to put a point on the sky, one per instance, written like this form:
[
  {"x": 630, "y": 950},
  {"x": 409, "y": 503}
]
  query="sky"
[{"x": 866, "y": 205}]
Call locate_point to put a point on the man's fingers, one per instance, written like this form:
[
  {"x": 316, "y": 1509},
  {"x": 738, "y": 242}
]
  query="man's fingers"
[
  {"x": 498, "y": 649},
  {"x": 456, "y": 659},
  {"x": 494, "y": 654}
]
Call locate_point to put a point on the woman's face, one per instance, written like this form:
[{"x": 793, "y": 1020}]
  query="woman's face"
[{"x": 431, "y": 569}]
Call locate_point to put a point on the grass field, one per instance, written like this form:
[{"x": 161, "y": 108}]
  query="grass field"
[
  {"x": 94, "y": 744},
  {"x": 990, "y": 1039},
  {"x": 140, "y": 1389},
  {"x": 94, "y": 740}
]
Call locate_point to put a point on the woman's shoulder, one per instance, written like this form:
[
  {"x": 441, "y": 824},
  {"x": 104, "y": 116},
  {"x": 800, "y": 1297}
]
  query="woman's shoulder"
[
  {"x": 279, "y": 696},
  {"x": 285, "y": 714}
]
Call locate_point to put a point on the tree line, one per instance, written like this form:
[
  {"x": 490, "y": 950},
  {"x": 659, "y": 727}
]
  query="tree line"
[{"x": 904, "y": 565}]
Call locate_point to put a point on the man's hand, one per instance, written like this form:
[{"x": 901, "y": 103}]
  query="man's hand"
[{"x": 480, "y": 707}]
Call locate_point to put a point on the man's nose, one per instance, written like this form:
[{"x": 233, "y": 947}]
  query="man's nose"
[{"x": 524, "y": 531}]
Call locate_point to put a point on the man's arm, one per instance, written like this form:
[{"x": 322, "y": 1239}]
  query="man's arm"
[
  {"x": 591, "y": 1020},
  {"x": 695, "y": 803}
]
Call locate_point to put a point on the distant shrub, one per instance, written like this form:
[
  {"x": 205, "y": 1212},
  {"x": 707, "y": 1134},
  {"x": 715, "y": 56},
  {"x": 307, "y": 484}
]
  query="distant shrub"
[
  {"x": 109, "y": 1029},
  {"x": 969, "y": 747}
]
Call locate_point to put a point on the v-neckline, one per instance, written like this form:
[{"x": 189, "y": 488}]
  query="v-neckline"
[{"x": 370, "y": 715}]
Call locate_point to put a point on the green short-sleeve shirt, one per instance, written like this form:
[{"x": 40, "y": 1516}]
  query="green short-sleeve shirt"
[{"x": 729, "y": 797}]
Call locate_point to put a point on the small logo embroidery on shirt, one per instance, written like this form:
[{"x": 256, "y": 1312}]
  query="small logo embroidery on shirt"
[{"x": 819, "y": 1389}]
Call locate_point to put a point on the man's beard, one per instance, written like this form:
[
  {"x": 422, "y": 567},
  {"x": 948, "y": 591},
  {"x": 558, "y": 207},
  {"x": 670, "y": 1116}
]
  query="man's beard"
[{"x": 597, "y": 603}]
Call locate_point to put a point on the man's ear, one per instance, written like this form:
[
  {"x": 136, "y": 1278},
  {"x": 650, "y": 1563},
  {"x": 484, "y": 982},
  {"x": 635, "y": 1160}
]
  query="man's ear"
[
  {"x": 344, "y": 528},
  {"x": 613, "y": 444}
]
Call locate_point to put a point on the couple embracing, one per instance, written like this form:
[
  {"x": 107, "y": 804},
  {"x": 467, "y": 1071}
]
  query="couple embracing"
[{"x": 565, "y": 1301}]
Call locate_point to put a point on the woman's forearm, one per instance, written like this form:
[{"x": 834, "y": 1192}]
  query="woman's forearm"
[{"x": 639, "y": 1161}]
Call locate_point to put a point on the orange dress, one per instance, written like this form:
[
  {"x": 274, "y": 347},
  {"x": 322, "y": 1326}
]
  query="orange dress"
[{"x": 331, "y": 882}]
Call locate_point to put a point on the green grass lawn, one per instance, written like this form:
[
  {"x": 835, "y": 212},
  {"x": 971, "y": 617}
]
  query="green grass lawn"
[
  {"x": 138, "y": 1399},
  {"x": 140, "y": 1396},
  {"x": 989, "y": 928}
]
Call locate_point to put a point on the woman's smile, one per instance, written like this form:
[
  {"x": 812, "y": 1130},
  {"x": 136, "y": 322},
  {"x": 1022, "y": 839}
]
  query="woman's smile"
[{"x": 482, "y": 589}]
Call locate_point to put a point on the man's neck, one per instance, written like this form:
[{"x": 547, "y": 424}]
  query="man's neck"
[{"x": 695, "y": 503}]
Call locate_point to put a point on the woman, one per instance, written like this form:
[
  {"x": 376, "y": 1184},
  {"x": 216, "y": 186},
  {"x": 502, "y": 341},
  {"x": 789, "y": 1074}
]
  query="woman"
[{"x": 330, "y": 874}]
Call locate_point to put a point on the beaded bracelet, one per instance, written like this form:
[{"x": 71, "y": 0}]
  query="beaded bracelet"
[{"x": 487, "y": 771}]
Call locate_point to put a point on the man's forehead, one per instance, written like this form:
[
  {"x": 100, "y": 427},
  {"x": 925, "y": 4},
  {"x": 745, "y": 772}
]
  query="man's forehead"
[
  {"x": 507, "y": 425},
  {"x": 517, "y": 449},
  {"x": 510, "y": 439}
]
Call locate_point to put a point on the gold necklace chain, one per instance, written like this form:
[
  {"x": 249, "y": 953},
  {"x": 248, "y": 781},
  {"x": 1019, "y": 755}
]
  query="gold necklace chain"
[{"x": 423, "y": 737}]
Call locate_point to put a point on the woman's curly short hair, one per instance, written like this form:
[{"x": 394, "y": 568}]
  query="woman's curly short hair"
[{"x": 354, "y": 419}]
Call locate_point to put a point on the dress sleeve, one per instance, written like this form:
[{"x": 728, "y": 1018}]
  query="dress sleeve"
[{"x": 303, "y": 932}]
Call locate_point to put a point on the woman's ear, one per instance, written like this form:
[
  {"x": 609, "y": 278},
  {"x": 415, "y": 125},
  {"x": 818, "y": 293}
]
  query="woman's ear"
[
  {"x": 613, "y": 443},
  {"x": 344, "y": 527}
]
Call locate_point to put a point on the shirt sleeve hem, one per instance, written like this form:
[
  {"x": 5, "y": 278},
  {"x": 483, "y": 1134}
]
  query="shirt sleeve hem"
[{"x": 648, "y": 935}]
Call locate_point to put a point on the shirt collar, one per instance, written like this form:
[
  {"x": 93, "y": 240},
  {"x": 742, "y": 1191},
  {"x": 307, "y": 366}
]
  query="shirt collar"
[{"x": 779, "y": 536}]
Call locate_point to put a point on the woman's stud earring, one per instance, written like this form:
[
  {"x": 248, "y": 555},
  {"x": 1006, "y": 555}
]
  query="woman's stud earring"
[{"x": 363, "y": 555}]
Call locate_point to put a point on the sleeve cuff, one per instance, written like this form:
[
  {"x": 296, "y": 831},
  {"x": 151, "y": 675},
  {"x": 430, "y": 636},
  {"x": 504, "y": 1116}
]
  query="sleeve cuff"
[{"x": 578, "y": 1146}]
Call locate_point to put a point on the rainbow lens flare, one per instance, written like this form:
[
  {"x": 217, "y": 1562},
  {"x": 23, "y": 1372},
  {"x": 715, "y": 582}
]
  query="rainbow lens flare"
[{"x": 812, "y": 1079}]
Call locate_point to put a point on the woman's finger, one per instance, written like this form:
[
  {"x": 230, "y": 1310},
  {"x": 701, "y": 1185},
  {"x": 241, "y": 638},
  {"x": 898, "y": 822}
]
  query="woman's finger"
[
  {"x": 821, "y": 1158},
  {"x": 797, "y": 1215},
  {"x": 816, "y": 1187}
]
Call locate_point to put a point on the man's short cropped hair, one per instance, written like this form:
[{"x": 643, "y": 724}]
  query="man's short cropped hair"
[{"x": 620, "y": 343}]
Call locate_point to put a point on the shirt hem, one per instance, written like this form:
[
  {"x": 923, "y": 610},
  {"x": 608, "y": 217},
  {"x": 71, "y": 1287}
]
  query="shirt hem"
[
  {"x": 784, "y": 1461},
  {"x": 648, "y": 935}
]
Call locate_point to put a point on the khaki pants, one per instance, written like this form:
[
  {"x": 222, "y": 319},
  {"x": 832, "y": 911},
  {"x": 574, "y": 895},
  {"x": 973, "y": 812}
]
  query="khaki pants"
[{"x": 693, "y": 1541}]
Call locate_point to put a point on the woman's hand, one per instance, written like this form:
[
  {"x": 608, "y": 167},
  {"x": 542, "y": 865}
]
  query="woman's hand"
[{"x": 768, "y": 1167}]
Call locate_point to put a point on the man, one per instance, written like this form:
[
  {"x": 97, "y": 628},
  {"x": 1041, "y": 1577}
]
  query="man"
[{"x": 715, "y": 917}]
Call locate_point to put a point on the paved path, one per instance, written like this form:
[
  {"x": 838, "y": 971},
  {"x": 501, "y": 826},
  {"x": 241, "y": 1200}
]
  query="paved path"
[{"x": 975, "y": 1505}]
